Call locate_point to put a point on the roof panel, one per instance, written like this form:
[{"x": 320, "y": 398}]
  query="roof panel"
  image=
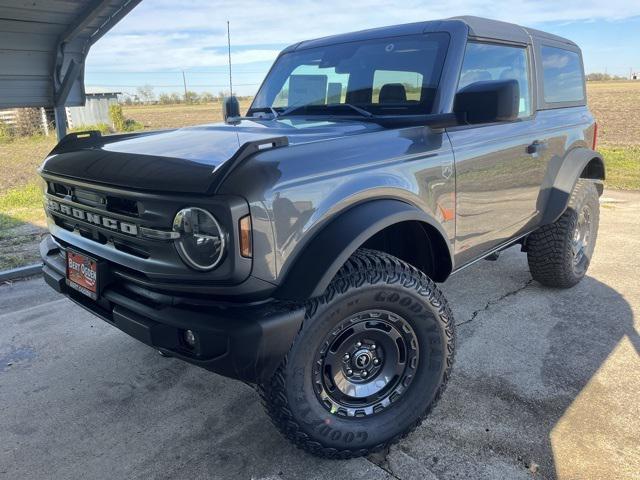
[
  {"x": 41, "y": 16},
  {"x": 68, "y": 6},
  {"x": 19, "y": 41},
  {"x": 26, "y": 63},
  {"x": 16, "y": 26},
  {"x": 36, "y": 71}
]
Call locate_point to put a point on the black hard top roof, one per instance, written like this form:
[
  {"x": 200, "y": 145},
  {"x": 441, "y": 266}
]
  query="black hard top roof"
[{"x": 477, "y": 27}]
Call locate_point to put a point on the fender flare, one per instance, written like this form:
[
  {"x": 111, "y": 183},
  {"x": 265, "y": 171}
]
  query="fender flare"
[
  {"x": 320, "y": 259},
  {"x": 565, "y": 179}
]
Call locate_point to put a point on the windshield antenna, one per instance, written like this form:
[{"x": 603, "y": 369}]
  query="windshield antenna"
[{"x": 229, "y": 49}]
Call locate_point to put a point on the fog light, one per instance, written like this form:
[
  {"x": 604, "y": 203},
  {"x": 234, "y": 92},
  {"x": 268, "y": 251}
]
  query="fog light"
[{"x": 189, "y": 338}]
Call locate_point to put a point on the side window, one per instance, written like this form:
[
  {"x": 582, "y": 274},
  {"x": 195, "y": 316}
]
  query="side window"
[
  {"x": 410, "y": 81},
  {"x": 483, "y": 61},
  {"x": 562, "y": 75}
]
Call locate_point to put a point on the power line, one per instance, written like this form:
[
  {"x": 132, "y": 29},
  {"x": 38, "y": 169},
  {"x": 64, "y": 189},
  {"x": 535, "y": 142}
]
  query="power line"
[
  {"x": 172, "y": 85},
  {"x": 176, "y": 72}
]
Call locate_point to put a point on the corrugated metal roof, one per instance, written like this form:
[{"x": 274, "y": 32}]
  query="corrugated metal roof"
[{"x": 43, "y": 46}]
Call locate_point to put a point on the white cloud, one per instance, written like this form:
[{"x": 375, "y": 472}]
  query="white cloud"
[
  {"x": 287, "y": 21},
  {"x": 169, "y": 35}
]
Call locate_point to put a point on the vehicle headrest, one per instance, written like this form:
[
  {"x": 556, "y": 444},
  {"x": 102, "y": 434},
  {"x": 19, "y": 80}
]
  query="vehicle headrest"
[{"x": 392, "y": 93}]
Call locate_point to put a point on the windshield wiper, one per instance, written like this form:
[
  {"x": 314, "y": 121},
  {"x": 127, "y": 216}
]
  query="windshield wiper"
[
  {"x": 289, "y": 110},
  {"x": 361, "y": 111}
]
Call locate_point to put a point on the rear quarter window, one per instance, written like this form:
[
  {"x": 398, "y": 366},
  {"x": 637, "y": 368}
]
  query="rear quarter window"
[{"x": 562, "y": 76}]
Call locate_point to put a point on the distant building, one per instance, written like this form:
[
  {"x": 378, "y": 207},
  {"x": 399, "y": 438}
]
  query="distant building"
[
  {"x": 94, "y": 111},
  {"x": 30, "y": 121},
  {"x": 635, "y": 76}
]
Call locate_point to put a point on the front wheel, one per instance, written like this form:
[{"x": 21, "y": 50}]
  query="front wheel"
[{"x": 370, "y": 362}]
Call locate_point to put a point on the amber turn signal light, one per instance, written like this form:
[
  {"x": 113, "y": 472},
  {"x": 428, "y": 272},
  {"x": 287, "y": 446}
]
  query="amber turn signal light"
[{"x": 246, "y": 249}]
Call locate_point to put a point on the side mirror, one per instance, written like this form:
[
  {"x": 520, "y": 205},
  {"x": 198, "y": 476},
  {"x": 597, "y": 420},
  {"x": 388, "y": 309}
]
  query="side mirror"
[
  {"x": 488, "y": 101},
  {"x": 230, "y": 110}
]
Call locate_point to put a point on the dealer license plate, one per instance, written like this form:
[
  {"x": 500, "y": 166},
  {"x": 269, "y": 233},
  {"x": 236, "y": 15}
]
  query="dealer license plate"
[{"x": 82, "y": 274}]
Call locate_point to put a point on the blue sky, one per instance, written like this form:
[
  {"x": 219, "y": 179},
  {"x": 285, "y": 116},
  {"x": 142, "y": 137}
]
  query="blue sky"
[{"x": 161, "y": 38}]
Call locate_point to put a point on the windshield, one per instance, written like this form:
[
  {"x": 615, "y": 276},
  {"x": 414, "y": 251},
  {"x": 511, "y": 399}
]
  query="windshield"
[{"x": 388, "y": 76}]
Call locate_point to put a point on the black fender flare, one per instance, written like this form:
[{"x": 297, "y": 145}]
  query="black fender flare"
[
  {"x": 320, "y": 259},
  {"x": 565, "y": 178}
]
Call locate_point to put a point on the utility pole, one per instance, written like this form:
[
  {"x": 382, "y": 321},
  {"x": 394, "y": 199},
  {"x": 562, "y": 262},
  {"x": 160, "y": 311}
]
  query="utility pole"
[
  {"x": 229, "y": 50},
  {"x": 184, "y": 82}
]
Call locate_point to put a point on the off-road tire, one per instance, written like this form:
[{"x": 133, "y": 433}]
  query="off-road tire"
[
  {"x": 550, "y": 250},
  {"x": 369, "y": 280}
]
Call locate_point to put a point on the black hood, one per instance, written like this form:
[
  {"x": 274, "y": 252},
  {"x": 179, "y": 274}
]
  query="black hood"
[{"x": 184, "y": 160}]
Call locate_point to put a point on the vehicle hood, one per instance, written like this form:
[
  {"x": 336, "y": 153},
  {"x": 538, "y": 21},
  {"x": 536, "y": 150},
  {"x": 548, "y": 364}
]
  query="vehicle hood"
[{"x": 183, "y": 160}]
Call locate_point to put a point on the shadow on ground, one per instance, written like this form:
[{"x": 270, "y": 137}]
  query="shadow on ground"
[{"x": 523, "y": 360}]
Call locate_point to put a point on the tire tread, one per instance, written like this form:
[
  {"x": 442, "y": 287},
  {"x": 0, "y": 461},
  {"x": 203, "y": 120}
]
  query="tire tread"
[
  {"x": 549, "y": 247},
  {"x": 372, "y": 267}
]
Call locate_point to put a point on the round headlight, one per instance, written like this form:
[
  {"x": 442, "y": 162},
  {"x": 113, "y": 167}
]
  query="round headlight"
[{"x": 201, "y": 244}]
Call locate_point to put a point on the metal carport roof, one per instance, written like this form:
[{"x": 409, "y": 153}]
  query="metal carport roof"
[{"x": 43, "y": 47}]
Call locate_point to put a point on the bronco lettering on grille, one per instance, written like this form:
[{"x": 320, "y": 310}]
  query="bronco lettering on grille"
[{"x": 92, "y": 218}]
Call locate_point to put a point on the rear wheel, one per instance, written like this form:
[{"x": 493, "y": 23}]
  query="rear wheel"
[
  {"x": 559, "y": 254},
  {"x": 370, "y": 362}
]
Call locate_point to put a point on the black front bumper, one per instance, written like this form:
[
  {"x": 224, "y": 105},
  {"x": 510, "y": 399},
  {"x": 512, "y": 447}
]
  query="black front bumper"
[{"x": 246, "y": 342}]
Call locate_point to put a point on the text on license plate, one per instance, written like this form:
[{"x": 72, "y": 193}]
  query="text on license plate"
[{"x": 82, "y": 273}]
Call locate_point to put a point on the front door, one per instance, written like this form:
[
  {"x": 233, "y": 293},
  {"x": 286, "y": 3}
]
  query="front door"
[{"x": 498, "y": 172}]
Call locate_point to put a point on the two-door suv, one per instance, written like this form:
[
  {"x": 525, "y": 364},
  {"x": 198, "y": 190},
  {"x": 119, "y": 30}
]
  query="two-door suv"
[{"x": 296, "y": 248}]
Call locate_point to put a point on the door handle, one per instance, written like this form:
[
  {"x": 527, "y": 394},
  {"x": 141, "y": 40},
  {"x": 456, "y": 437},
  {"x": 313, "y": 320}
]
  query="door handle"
[{"x": 537, "y": 147}]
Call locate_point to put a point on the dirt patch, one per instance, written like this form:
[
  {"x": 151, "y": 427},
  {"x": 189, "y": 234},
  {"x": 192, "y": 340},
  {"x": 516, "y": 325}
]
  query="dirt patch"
[
  {"x": 176, "y": 116},
  {"x": 616, "y": 106}
]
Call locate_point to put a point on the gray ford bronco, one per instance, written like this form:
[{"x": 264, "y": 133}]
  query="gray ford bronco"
[{"x": 297, "y": 248}]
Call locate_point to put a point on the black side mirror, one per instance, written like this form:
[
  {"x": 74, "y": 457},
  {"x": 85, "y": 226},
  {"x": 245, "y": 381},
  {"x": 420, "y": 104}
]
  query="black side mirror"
[
  {"x": 231, "y": 110},
  {"x": 488, "y": 101}
]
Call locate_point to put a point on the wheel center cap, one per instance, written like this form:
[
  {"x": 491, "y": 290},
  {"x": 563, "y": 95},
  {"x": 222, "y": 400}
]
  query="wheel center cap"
[{"x": 362, "y": 359}]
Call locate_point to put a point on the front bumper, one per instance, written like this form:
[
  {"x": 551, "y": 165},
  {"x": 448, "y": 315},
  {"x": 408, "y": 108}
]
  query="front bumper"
[{"x": 245, "y": 341}]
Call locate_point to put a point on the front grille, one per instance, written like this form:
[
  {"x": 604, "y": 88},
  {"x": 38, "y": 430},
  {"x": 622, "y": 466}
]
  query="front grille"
[
  {"x": 123, "y": 206},
  {"x": 109, "y": 203},
  {"x": 99, "y": 217},
  {"x": 129, "y": 229}
]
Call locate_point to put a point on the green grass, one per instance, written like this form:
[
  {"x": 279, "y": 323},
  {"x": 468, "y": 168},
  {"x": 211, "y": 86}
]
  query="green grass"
[
  {"x": 622, "y": 167},
  {"x": 20, "y": 202},
  {"x": 103, "y": 128},
  {"x": 21, "y": 225}
]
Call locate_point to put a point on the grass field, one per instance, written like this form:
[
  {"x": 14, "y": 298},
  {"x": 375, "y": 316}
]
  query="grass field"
[
  {"x": 174, "y": 116},
  {"x": 616, "y": 105}
]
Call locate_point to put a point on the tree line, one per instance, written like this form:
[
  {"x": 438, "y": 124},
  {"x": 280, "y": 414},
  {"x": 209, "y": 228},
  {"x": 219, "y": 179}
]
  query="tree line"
[
  {"x": 147, "y": 95},
  {"x": 603, "y": 77}
]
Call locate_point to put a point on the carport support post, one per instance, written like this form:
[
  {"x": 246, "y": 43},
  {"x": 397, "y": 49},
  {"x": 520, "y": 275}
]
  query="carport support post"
[
  {"x": 61, "y": 121},
  {"x": 61, "y": 93}
]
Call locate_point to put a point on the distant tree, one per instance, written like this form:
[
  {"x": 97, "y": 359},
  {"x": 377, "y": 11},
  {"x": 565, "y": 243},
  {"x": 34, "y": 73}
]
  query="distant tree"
[
  {"x": 165, "y": 98},
  {"x": 603, "y": 77},
  {"x": 146, "y": 94},
  {"x": 120, "y": 122},
  {"x": 207, "y": 97},
  {"x": 191, "y": 97},
  {"x": 175, "y": 98}
]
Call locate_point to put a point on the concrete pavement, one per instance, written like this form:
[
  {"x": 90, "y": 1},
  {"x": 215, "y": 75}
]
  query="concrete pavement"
[{"x": 546, "y": 384}]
